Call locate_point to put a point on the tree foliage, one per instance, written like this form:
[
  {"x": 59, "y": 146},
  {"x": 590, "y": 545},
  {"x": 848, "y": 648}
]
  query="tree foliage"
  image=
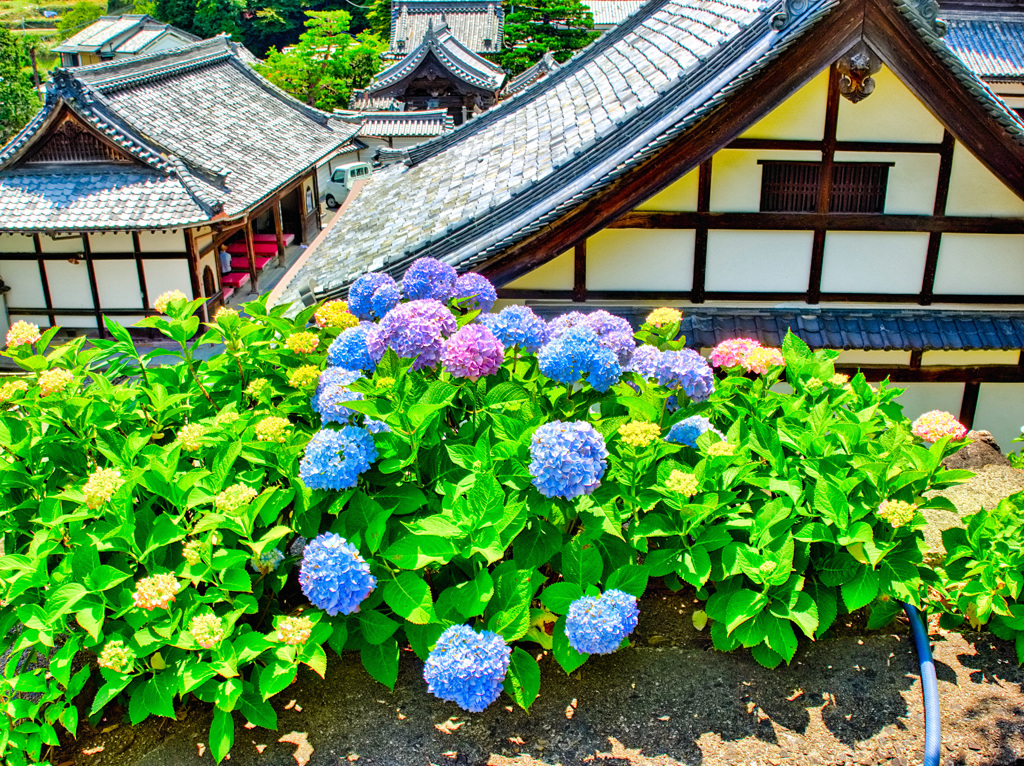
[
  {"x": 378, "y": 18},
  {"x": 18, "y": 99},
  {"x": 559, "y": 26},
  {"x": 78, "y": 18},
  {"x": 327, "y": 63}
]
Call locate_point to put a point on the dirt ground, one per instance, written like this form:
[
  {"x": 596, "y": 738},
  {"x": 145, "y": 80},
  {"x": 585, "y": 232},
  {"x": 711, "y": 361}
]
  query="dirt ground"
[{"x": 854, "y": 698}]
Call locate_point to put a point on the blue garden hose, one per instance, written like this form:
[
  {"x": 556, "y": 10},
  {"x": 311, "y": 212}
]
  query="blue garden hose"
[{"x": 929, "y": 688}]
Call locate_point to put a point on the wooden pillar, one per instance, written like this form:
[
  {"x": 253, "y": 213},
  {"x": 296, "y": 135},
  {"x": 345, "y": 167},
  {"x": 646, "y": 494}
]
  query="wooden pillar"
[
  {"x": 279, "y": 231},
  {"x": 254, "y": 287},
  {"x": 579, "y": 278},
  {"x": 969, "y": 405},
  {"x": 700, "y": 239},
  {"x": 44, "y": 281},
  {"x": 192, "y": 257},
  {"x": 828, "y": 159},
  {"x": 931, "y": 262},
  {"x": 316, "y": 199},
  {"x": 140, "y": 269},
  {"x": 93, "y": 287}
]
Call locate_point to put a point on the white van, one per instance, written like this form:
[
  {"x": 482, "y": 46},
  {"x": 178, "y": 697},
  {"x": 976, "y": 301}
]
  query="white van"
[{"x": 343, "y": 179}]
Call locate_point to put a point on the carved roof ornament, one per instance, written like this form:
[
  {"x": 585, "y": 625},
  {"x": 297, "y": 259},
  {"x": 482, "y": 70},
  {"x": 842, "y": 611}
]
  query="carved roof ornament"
[
  {"x": 791, "y": 9},
  {"x": 928, "y": 10},
  {"x": 855, "y": 70}
]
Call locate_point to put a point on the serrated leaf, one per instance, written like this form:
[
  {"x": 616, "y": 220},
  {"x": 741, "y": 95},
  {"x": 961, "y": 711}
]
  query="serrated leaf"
[
  {"x": 222, "y": 734},
  {"x": 564, "y": 654},
  {"x": 523, "y": 679},
  {"x": 408, "y": 595},
  {"x": 381, "y": 661},
  {"x": 559, "y": 596}
]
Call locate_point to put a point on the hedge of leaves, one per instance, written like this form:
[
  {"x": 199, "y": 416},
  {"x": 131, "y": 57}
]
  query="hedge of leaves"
[{"x": 474, "y": 485}]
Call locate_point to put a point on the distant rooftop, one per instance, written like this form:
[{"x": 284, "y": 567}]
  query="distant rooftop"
[
  {"x": 393, "y": 124},
  {"x": 477, "y": 24},
  {"x": 611, "y": 12},
  {"x": 129, "y": 33}
]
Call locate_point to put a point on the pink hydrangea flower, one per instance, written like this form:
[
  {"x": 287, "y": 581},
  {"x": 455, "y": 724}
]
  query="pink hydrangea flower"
[
  {"x": 156, "y": 592},
  {"x": 473, "y": 352},
  {"x": 22, "y": 333},
  {"x": 759, "y": 359},
  {"x": 932, "y": 426},
  {"x": 730, "y": 353}
]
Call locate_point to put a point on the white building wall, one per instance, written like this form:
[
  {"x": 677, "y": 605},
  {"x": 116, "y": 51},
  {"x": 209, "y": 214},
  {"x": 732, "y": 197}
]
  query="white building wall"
[
  {"x": 800, "y": 117},
  {"x": 980, "y": 264},
  {"x": 17, "y": 243},
  {"x": 26, "y": 286},
  {"x": 112, "y": 242},
  {"x": 924, "y": 397},
  {"x": 736, "y": 177},
  {"x": 556, "y": 274},
  {"x": 912, "y": 180},
  {"x": 890, "y": 113},
  {"x": 680, "y": 196},
  {"x": 757, "y": 261},
  {"x": 1001, "y": 411},
  {"x": 167, "y": 274},
  {"x": 172, "y": 241},
  {"x": 973, "y": 190},
  {"x": 873, "y": 262},
  {"x": 626, "y": 259},
  {"x": 117, "y": 282},
  {"x": 69, "y": 289}
]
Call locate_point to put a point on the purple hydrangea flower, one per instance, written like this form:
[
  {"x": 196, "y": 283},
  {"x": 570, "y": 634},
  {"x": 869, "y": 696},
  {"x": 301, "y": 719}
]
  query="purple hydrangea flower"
[
  {"x": 687, "y": 430},
  {"x": 567, "y": 459},
  {"x": 562, "y": 323},
  {"x": 598, "y": 625},
  {"x": 645, "y": 361},
  {"x": 473, "y": 352},
  {"x": 428, "y": 278},
  {"x": 517, "y": 326},
  {"x": 349, "y": 350},
  {"x": 467, "y": 668},
  {"x": 373, "y": 295},
  {"x": 335, "y": 376},
  {"x": 478, "y": 291},
  {"x": 686, "y": 370},
  {"x": 576, "y": 353},
  {"x": 334, "y": 576},
  {"x": 416, "y": 329},
  {"x": 334, "y": 459},
  {"x": 613, "y": 332}
]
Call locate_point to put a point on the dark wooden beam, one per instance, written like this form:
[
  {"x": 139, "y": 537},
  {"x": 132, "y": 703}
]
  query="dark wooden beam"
[
  {"x": 251, "y": 254},
  {"x": 795, "y": 145},
  {"x": 931, "y": 262},
  {"x": 222, "y": 235},
  {"x": 629, "y": 296},
  {"x": 700, "y": 239},
  {"x": 828, "y": 163},
  {"x": 93, "y": 286},
  {"x": 279, "y": 231},
  {"x": 642, "y": 219},
  {"x": 996, "y": 373},
  {"x": 43, "y": 280},
  {"x": 969, "y": 404},
  {"x": 140, "y": 267},
  {"x": 915, "y": 359},
  {"x": 579, "y": 273},
  {"x": 193, "y": 271},
  {"x": 123, "y": 256}
]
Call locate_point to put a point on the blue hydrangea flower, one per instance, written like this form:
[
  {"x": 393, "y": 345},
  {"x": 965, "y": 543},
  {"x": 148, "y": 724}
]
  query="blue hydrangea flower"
[
  {"x": 688, "y": 371},
  {"x": 517, "y": 326},
  {"x": 429, "y": 278},
  {"x": 266, "y": 562},
  {"x": 415, "y": 330},
  {"x": 576, "y": 353},
  {"x": 335, "y": 376},
  {"x": 687, "y": 430},
  {"x": 562, "y": 323},
  {"x": 376, "y": 426},
  {"x": 373, "y": 295},
  {"x": 334, "y": 459},
  {"x": 567, "y": 459},
  {"x": 349, "y": 350},
  {"x": 645, "y": 361},
  {"x": 467, "y": 668},
  {"x": 477, "y": 289},
  {"x": 598, "y": 625},
  {"x": 334, "y": 576},
  {"x": 330, "y": 403}
]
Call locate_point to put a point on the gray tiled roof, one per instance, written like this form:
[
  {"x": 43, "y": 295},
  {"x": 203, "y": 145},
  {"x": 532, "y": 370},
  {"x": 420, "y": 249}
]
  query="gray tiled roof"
[
  {"x": 432, "y": 122},
  {"x": 453, "y": 55},
  {"x": 473, "y": 22},
  {"x": 609, "y": 12},
  {"x": 992, "y": 45},
  {"x": 210, "y": 137},
  {"x": 129, "y": 33},
  {"x": 508, "y": 173},
  {"x": 528, "y": 77}
]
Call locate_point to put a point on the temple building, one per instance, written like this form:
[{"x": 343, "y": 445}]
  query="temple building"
[
  {"x": 825, "y": 166},
  {"x": 439, "y": 72},
  {"x": 136, "y": 173},
  {"x": 477, "y": 24},
  {"x": 117, "y": 37},
  {"x": 988, "y": 35}
]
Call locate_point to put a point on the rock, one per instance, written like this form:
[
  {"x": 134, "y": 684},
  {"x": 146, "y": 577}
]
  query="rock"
[{"x": 981, "y": 451}]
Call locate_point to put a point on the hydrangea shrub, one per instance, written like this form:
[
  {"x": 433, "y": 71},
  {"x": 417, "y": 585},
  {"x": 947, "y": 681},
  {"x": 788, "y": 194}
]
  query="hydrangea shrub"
[{"x": 466, "y": 484}]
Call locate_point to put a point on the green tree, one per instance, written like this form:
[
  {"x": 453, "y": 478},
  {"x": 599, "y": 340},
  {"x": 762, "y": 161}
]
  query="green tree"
[
  {"x": 378, "y": 18},
  {"x": 18, "y": 99},
  {"x": 78, "y": 18},
  {"x": 327, "y": 63},
  {"x": 559, "y": 26},
  {"x": 215, "y": 16}
]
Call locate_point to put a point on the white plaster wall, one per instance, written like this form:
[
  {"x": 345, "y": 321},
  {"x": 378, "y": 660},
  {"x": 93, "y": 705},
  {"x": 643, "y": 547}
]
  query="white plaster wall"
[
  {"x": 26, "y": 287},
  {"x": 758, "y": 261},
  {"x": 640, "y": 259},
  {"x": 1001, "y": 411},
  {"x": 925, "y": 397},
  {"x": 973, "y": 190},
  {"x": 890, "y": 113},
  {"x": 556, "y": 274},
  {"x": 69, "y": 284},
  {"x": 680, "y": 196},
  {"x": 873, "y": 262},
  {"x": 63, "y": 245},
  {"x": 17, "y": 243},
  {"x": 736, "y": 177},
  {"x": 968, "y": 358},
  {"x": 801, "y": 116},
  {"x": 117, "y": 282},
  {"x": 912, "y": 180},
  {"x": 980, "y": 264},
  {"x": 172, "y": 241},
  {"x": 858, "y": 357},
  {"x": 166, "y": 274},
  {"x": 111, "y": 242}
]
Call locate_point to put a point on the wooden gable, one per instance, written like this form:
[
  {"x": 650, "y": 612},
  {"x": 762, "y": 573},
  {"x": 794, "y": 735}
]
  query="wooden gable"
[{"x": 68, "y": 140}]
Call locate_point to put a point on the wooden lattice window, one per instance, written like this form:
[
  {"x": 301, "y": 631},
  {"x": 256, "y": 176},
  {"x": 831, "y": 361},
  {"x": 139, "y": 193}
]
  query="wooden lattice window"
[
  {"x": 792, "y": 187},
  {"x": 70, "y": 142}
]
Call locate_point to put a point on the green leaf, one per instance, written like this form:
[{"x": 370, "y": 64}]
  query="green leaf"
[
  {"x": 107, "y": 692},
  {"x": 381, "y": 661},
  {"x": 882, "y": 613},
  {"x": 222, "y": 734},
  {"x": 780, "y": 637},
  {"x": 558, "y": 597},
  {"x": 91, "y": 620},
  {"x": 408, "y": 595},
  {"x": 630, "y": 578},
  {"x": 565, "y": 655},
  {"x": 581, "y": 563},
  {"x": 62, "y": 600},
  {"x": 475, "y": 595},
  {"x": 275, "y": 677},
  {"x": 376, "y": 627},
  {"x": 743, "y": 605},
  {"x": 522, "y": 683},
  {"x": 417, "y": 551},
  {"x": 536, "y": 544},
  {"x": 861, "y": 590},
  {"x": 695, "y": 567},
  {"x": 257, "y": 711},
  {"x": 766, "y": 656}
]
